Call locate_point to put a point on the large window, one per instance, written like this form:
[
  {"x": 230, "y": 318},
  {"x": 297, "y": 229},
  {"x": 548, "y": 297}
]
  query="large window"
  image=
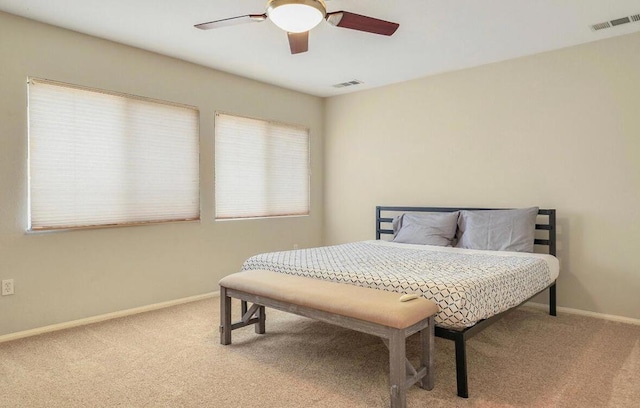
[
  {"x": 262, "y": 168},
  {"x": 98, "y": 158}
]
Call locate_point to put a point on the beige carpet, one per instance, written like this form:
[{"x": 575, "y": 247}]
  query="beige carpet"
[{"x": 172, "y": 358}]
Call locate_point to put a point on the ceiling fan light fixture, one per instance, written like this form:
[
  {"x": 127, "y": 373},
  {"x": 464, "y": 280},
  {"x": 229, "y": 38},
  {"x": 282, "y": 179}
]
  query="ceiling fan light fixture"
[{"x": 296, "y": 16}]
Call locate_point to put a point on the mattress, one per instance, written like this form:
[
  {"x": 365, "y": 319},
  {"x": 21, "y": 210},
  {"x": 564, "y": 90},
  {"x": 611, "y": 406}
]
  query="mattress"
[{"x": 467, "y": 285}]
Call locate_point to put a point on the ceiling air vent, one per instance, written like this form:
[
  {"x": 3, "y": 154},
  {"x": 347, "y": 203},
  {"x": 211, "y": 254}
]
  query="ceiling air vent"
[
  {"x": 619, "y": 21},
  {"x": 600, "y": 26},
  {"x": 349, "y": 83},
  {"x": 615, "y": 22}
]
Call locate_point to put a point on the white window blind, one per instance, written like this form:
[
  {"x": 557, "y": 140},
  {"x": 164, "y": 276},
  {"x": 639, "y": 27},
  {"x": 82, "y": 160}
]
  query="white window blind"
[
  {"x": 99, "y": 158},
  {"x": 262, "y": 168}
]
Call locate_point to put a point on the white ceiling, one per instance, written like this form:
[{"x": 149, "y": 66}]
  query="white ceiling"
[{"x": 434, "y": 36}]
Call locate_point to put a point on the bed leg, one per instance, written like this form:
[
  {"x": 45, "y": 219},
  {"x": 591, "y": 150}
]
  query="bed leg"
[
  {"x": 427, "y": 355},
  {"x": 260, "y": 326},
  {"x": 552, "y": 300},
  {"x": 397, "y": 369},
  {"x": 461, "y": 366},
  {"x": 225, "y": 317}
]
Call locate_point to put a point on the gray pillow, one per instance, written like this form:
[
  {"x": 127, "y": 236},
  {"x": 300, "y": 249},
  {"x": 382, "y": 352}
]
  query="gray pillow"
[
  {"x": 498, "y": 230},
  {"x": 426, "y": 228},
  {"x": 396, "y": 224}
]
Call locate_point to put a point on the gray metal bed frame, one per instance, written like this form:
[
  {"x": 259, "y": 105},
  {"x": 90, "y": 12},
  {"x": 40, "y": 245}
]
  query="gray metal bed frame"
[{"x": 461, "y": 336}]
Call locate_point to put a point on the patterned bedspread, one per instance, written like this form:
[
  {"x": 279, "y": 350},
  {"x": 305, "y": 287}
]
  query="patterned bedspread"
[{"x": 467, "y": 285}]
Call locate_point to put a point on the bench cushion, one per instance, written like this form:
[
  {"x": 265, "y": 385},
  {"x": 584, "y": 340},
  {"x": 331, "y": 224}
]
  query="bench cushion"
[{"x": 371, "y": 305}]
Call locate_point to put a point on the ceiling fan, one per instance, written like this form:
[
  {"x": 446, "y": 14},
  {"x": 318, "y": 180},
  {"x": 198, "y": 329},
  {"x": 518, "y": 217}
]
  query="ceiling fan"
[{"x": 297, "y": 17}]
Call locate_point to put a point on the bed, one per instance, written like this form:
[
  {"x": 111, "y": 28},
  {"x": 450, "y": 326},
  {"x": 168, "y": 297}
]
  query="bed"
[{"x": 473, "y": 288}]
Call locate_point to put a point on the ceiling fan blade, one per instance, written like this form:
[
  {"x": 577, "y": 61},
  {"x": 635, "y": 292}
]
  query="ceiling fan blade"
[
  {"x": 249, "y": 18},
  {"x": 354, "y": 21},
  {"x": 298, "y": 42}
]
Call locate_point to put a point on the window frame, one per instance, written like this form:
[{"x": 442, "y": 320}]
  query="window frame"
[
  {"x": 49, "y": 229},
  {"x": 307, "y": 129}
]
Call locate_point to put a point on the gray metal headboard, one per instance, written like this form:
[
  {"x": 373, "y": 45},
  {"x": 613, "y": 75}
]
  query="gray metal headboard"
[{"x": 549, "y": 226}]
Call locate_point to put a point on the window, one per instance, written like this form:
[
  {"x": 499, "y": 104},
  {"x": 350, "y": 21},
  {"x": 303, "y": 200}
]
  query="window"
[
  {"x": 262, "y": 168},
  {"x": 98, "y": 158}
]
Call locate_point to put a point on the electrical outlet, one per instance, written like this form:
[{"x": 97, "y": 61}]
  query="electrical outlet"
[{"x": 7, "y": 287}]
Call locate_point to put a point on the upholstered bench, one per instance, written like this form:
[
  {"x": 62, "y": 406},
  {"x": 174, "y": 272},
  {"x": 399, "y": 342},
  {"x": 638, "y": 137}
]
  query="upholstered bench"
[{"x": 371, "y": 311}]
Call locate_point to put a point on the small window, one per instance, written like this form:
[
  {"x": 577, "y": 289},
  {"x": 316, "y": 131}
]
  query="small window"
[
  {"x": 98, "y": 158},
  {"x": 262, "y": 168}
]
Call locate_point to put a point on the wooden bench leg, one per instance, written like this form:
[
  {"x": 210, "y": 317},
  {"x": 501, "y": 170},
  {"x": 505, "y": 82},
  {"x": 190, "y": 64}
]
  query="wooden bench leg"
[
  {"x": 397, "y": 369},
  {"x": 427, "y": 353},
  {"x": 225, "y": 317},
  {"x": 243, "y": 308}
]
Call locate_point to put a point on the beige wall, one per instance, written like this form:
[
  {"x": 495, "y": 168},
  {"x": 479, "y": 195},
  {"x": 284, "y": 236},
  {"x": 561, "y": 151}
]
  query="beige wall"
[
  {"x": 70, "y": 275},
  {"x": 558, "y": 130}
]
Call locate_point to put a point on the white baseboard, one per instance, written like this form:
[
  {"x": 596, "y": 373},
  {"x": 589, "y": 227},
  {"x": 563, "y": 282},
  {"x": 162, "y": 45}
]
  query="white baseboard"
[
  {"x": 603, "y": 316},
  {"x": 162, "y": 305},
  {"x": 103, "y": 317}
]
